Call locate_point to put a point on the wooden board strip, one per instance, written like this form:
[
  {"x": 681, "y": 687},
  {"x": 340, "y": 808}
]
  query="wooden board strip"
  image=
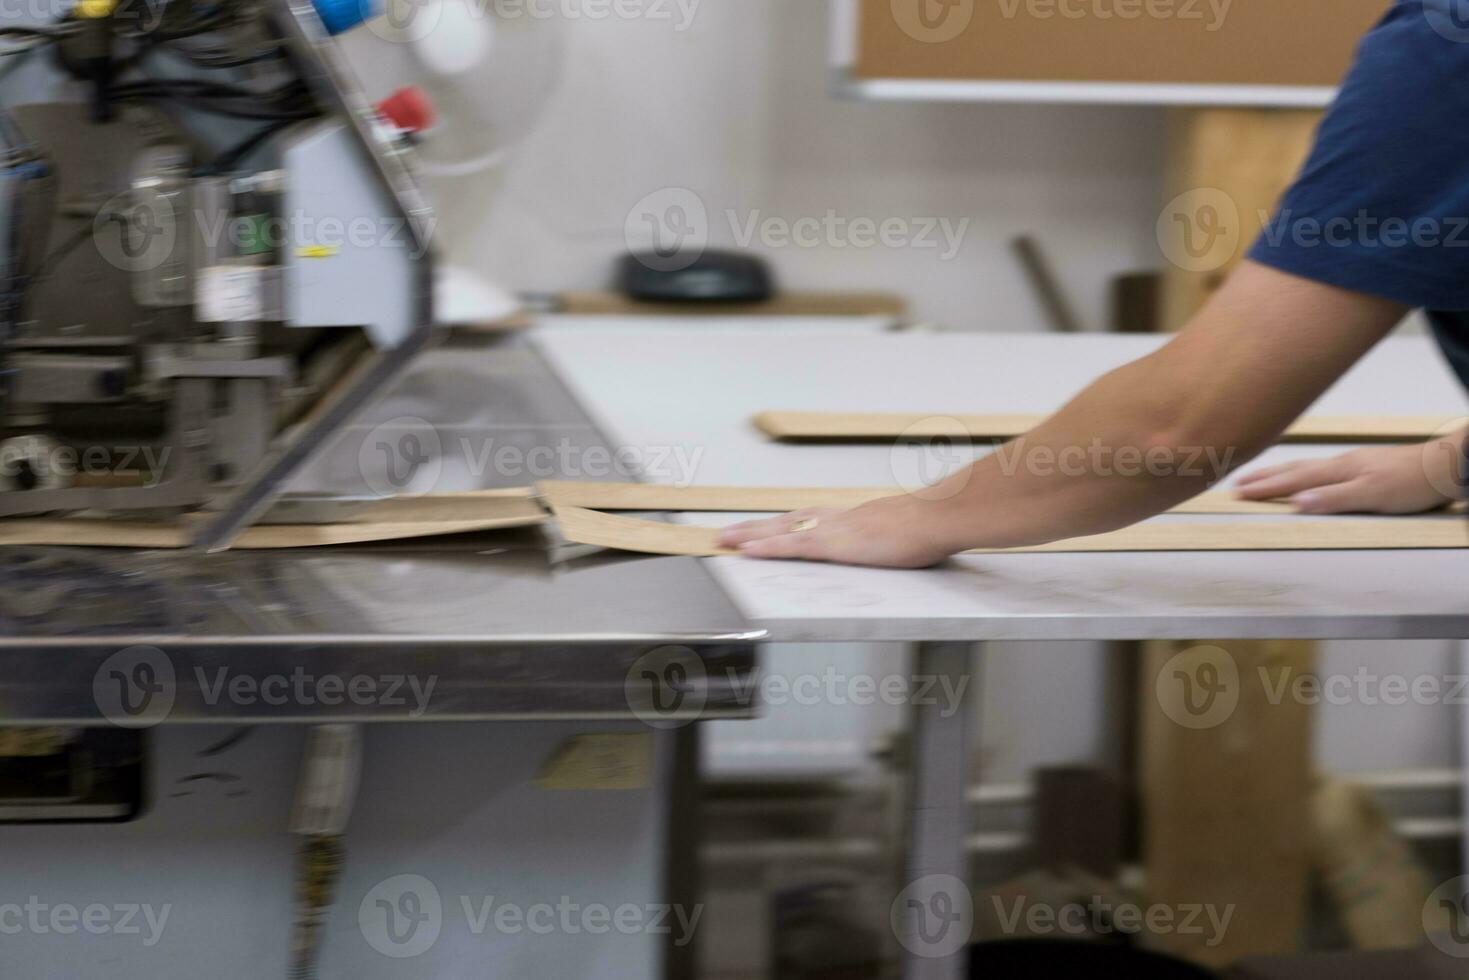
[
  {"x": 394, "y": 519},
  {"x": 886, "y": 427},
  {"x": 758, "y": 500},
  {"x": 583, "y": 526}
]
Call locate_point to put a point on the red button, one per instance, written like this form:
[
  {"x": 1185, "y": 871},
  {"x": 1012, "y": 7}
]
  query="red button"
[{"x": 408, "y": 108}]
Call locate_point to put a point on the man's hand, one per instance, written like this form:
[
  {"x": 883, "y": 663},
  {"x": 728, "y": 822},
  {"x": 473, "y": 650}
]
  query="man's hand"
[
  {"x": 1379, "y": 480},
  {"x": 894, "y": 532}
]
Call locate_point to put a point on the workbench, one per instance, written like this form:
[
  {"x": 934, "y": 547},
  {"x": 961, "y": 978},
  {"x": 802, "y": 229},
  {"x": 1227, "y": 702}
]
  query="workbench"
[
  {"x": 699, "y": 389},
  {"x": 519, "y": 628}
]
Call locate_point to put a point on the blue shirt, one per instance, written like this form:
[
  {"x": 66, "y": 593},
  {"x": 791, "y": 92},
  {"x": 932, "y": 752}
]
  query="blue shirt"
[{"x": 1382, "y": 206}]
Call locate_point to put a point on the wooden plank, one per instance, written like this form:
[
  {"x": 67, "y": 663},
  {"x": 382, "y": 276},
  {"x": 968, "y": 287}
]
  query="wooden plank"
[
  {"x": 782, "y": 304},
  {"x": 762, "y": 500},
  {"x": 1224, "y": 174},
  {"x": 394, "y": 519},
  {"x": 796, "y": 426},
  {"x": 1226, "y": 783},
  {"x": 580, "y": 525}
]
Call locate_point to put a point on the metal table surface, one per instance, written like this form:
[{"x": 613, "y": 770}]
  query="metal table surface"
[
  {"x": 507, "y": 625},
  {"x": 698, "y": 389}
]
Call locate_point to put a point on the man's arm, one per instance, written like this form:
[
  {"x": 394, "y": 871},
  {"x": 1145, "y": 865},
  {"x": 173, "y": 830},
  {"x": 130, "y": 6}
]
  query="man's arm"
[{"x": 1253, "y": 360}]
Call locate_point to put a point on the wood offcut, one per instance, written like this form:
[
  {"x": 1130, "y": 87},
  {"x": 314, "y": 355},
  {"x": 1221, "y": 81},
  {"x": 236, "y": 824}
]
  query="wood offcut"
[
  {"x": 580, "y": 525},
  {"x": 791, "y": 426}
]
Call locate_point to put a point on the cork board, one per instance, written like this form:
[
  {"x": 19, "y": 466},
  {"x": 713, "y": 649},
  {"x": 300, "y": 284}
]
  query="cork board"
[
  {"x": 1152, "y": 42},
  {"x": 889, "y": 426}
]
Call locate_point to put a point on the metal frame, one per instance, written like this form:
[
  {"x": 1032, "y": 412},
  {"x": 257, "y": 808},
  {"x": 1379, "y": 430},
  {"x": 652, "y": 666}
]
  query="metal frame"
[
  {"x": 937, "y": 860},
  {"x": 334, "y": 85}
]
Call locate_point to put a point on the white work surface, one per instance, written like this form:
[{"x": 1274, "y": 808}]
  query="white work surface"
[{"x": 694, "y": 391}]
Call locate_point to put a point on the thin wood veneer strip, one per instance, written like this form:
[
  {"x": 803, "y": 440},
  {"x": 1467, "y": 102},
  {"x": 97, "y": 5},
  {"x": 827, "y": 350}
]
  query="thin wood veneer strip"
[
  {"x": 582, "y": 526},
  {"x": 393, "y": 519},
  {"x": 886, "y": 427},
  {"x": 757, "y": 500}
]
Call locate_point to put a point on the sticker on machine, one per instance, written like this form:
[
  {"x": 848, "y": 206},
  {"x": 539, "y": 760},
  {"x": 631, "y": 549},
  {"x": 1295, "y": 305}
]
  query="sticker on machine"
[{"x": 231, "y": 294}]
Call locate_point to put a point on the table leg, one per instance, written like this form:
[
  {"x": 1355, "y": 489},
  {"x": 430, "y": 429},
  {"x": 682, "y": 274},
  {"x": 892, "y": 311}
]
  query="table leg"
[
  {"x": 1464, "y": 758},
  {"x": 934, "y": 912}
]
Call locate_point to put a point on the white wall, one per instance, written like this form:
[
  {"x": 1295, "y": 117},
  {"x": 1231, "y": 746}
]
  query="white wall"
[{"x": 736, "y": 109}]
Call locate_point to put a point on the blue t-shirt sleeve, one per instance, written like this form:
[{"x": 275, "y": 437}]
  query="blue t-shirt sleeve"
[{"x": 1382, "y": 206}]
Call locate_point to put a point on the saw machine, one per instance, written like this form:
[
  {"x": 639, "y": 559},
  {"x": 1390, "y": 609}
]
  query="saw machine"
[{"x": 213, "y": 251}]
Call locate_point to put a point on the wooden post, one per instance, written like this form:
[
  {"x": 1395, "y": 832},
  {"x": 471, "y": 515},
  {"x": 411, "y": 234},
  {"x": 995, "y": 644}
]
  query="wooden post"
[
  {"x": 1225, "y": 173},
  {"x": 1226, "y": 801}
]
